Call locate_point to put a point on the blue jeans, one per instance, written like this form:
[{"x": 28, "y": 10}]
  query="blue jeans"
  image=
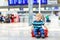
[{"x": 40, "y": 29}]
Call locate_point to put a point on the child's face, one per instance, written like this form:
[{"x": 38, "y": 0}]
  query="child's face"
[{"x": 38, "y": 17}]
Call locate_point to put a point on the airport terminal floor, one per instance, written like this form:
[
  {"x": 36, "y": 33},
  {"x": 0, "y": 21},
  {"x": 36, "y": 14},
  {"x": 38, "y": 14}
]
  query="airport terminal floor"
[{"x": 21, "y": 31}]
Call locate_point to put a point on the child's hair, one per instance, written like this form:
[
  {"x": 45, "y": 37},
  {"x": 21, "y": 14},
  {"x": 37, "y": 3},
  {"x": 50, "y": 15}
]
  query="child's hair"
[{"x": 39, "y": 14}]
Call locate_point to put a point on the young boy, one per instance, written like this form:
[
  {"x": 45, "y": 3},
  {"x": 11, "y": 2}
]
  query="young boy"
[{"x": 37, "y": 24}]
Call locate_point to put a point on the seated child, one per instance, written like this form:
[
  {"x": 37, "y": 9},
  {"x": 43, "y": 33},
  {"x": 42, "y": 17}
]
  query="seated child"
[{"x": 37, "y": 25}]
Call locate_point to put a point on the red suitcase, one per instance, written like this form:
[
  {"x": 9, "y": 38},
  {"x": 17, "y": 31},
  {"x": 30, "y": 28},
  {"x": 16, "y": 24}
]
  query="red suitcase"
[
  {"x": 45, "y": 33},
  {"x": 32, "y": 34}
]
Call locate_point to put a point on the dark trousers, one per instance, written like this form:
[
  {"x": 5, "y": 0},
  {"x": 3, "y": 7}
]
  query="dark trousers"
[{"x": 40, "y": 29}]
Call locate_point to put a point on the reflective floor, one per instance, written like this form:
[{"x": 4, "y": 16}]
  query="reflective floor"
[
  {"x": 21, "y": 31},
  {"x": 22, "y": 36}
]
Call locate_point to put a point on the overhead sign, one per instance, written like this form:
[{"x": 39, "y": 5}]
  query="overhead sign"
[
  {"x": 15, "y": 2},
  {"x": 43, "y": 1},
  {"x": 20, "y": 2},
  {"x": 35, "y": 2},
  {"x": 25, "y": 2},
  {"x": 10, "y": 2}
]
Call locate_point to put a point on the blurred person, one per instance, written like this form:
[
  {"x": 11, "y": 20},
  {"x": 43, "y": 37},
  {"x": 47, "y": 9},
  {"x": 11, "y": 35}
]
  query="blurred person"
[
  {"x": 1, "y": 18},
  {"x": 7, "y": 19},
  {"x": 12, "y": 18},
  {"x": 47, "y": 18},
  {"x": 17, "y": 18}
]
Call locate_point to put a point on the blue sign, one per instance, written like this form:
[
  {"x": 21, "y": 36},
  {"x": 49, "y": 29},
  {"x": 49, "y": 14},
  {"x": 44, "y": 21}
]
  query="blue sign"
[
  {"x": 20, "y": 2},
  {"x": 10, "y": 2},
  {"x": 25, "y": 2},
  {"x": 43, "y": 1},
  {"x": 15, "y": 2},
  {"x": 35, "y": 1}
]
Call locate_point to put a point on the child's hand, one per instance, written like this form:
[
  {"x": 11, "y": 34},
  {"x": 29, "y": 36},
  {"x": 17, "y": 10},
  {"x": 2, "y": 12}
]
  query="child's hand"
[{"x": 44, "y": 27}]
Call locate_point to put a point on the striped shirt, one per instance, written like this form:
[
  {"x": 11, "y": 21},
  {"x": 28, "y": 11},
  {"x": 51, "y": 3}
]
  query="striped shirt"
[{"x": 38, "y": 24}]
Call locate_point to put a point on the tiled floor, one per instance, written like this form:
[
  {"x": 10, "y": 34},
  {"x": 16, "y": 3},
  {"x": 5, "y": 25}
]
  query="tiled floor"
[
  {"x": 22, "y": 36},
  {"x": 23, "y": 32}
]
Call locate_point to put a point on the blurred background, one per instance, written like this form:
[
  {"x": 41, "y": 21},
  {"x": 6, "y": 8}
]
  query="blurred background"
[{"x": 16, "y": 17}]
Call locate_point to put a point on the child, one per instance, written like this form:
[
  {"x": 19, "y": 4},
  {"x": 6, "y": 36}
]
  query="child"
[{"x": 37, "y": 24}]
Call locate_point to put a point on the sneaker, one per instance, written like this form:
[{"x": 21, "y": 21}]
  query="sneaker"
[
  {"x": 37, "y": 36},
  {"x": 42, "y": 36}
]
